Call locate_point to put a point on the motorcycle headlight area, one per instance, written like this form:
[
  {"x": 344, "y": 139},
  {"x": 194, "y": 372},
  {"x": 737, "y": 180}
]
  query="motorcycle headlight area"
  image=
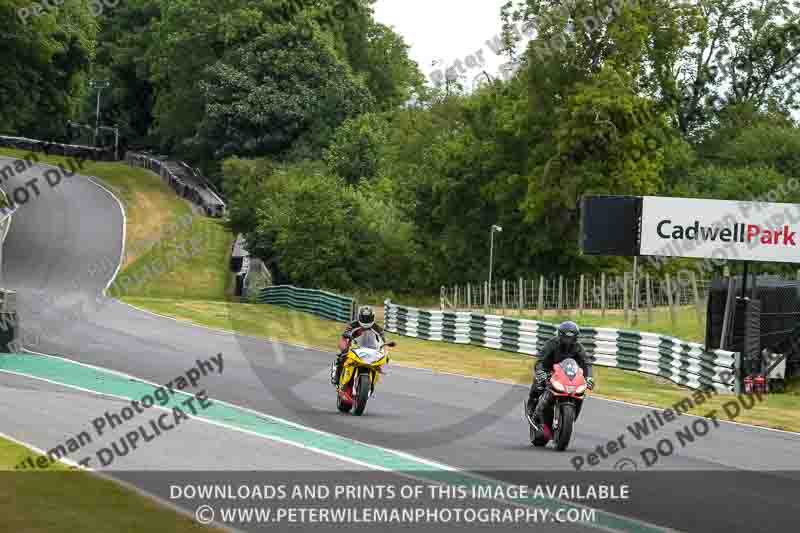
[
  {"x": 369, "y": 356},
  {"x": 581, "y": 389},
  {"x": 556, "y": 385}
]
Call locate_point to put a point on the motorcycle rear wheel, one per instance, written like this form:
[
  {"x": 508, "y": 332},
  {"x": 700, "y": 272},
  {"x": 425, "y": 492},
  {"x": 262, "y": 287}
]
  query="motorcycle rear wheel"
[{"x": 362, "y": 394}]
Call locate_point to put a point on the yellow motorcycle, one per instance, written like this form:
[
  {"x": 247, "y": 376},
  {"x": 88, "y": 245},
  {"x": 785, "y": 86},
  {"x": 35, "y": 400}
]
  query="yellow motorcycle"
[{"x": 361, "y": 370}]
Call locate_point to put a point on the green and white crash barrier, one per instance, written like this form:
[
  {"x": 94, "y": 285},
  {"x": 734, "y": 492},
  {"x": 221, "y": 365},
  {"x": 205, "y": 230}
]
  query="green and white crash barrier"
[
  {"x": 685, "y": 363},
  {"x": 321, "y": 303}
]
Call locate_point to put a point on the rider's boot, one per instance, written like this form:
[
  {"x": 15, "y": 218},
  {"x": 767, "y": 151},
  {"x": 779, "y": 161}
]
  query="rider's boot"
[{"x": 545, "y": 400}]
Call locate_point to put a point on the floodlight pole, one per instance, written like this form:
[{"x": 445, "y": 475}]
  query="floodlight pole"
[
  {"x": 491, "y": 259},
  {"x": 744, "y": 279}
]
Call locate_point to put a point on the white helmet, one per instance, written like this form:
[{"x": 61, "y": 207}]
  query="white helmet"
[{"x": 366, "y": 317}]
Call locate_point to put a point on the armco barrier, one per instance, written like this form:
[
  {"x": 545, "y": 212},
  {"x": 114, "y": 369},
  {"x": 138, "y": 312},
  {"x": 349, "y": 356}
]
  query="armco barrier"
[
  {"x": 183, "y": 179},
  {"x": 685, "y": 363},
  {"x": 320, "y": 303},
  {"x": 66, "y": 150},
  {"x": 9, "y": 320}
]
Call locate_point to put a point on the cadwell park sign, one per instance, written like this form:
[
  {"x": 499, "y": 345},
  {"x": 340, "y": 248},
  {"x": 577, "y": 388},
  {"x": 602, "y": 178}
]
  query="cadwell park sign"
[
  {"x": 690, "y": 227},
  {"x": 746, "y": 231}
]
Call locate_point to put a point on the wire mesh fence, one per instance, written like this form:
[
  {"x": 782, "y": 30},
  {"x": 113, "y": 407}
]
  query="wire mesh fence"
[{"x": 569, "y": 294}]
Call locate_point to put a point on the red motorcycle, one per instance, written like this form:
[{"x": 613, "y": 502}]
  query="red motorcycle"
[{"x": 568, "y": 387}]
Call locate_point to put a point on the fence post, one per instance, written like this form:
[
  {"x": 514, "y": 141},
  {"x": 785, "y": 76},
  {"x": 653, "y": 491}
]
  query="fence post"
[
  {"x": 671, "y": 301},
  {"x": 521, "y": 295},
  {"x": 469, "y": 297},
  {"x": 649, "y": 297},
  {"x": 580, "y": 298},
  {"x": 541, "y": 297},
  {"x": 504, "y": 297},
  {"x": 635, "y": 299},
  {"x": 560, "y": 295},
  {"x": 603, "y": 294},
  {"x": 625, "y": 296},
  {"x": 697, "y": 303},
  {"x": 533, "y": 295}
]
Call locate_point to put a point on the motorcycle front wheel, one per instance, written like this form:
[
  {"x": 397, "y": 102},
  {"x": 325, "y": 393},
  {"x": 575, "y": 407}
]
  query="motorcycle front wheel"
[
  {"x": 566, "y": 419},
  {"x": 362, "y": 393}
]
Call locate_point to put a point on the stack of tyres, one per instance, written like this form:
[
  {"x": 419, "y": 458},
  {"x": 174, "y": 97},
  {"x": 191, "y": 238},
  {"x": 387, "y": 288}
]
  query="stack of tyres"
[{"x": 9, "y": 325}]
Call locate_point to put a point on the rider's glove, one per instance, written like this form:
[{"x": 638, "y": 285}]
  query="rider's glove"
[
  {"x": 541, "y": 376},
  {"x": 590, "y": 383}
]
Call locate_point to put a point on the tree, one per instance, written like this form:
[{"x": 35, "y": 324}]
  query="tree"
[
  {"x": 694, "y": 58},
  {"x": 355, "y": 151},
  {"x": 276, "y": 91},
  {"x": 46, "y": 58},
  {"x": 124, "y": 41}
]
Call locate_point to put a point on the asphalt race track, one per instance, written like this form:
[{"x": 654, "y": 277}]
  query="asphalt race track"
[{"x": 733, "y": 477}]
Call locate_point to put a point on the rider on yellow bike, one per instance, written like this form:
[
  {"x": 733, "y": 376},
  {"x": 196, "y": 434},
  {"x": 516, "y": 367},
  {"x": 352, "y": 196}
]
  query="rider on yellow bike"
[{"x": 365, "y": 321}]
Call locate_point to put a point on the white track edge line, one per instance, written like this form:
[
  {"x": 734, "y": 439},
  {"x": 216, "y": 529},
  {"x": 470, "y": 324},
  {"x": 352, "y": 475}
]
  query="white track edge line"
[
  {"x": 98, "y": 182},
  {"x": 67, "y": 461}
]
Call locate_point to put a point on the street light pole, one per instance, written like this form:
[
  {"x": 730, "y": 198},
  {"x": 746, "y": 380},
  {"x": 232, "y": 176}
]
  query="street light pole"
[
  {"x": 491, "y": 258},
  {"x": 99, "y": 85},
  {"x": 97, "y": 122}
]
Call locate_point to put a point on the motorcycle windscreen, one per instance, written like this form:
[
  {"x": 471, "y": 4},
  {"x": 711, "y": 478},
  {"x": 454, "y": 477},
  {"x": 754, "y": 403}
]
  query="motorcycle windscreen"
[
  {"x": 369, "y": 339},
  {"x": 570, "y": 368}
]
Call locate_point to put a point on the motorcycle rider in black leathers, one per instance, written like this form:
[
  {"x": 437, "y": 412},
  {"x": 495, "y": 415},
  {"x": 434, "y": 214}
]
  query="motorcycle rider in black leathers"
[
  {"x": 365, "y": 321},
  {"x": 564, "y": 346}
]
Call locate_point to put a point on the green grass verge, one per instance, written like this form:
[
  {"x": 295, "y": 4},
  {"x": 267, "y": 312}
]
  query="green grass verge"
[
  {"x": 61, "y": 500},
  {"x": 777, "y": 411}
]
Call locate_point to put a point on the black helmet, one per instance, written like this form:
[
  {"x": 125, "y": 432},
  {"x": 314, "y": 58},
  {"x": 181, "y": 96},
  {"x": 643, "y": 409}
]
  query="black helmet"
[
  {"x": 366, "y": 317},
  {"x": 568, "y": 332}
]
